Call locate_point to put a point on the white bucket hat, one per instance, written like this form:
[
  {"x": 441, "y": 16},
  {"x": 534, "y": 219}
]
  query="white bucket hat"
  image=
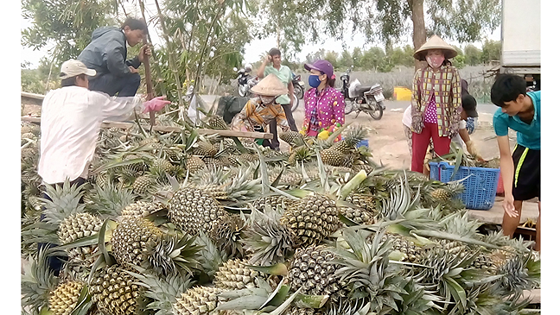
[
  {"x": 435, "y": 42},
  {"x": 72, "y": 68},
  {"x": 270, "y": 86}
]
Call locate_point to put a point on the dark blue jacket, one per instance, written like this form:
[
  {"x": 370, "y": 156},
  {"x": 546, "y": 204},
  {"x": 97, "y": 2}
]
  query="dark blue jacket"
[{"x": 107, "y": 52}]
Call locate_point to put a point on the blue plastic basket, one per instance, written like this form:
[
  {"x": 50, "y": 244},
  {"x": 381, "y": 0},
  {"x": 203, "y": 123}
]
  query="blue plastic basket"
[{"x": 480, "y": 186}]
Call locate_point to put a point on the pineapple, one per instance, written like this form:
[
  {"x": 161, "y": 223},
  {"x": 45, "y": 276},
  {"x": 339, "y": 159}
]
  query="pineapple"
[
  {"x": 357, "y": 215},
  {"x": 217, "y": 122},
  {"x": 140, "y": 209},
  {"x": 214, "y": 163},
  {"x": 312, "y": 219},
  {"x": 351, "y": 139},
  {"x": 161, "y": 166},
  {"x": 332, "y": 157},
  {"x": 198, "y": 300},
  {"x": 313, "y": 270},
  {"x": 130, "y": 240},
  {"x": 194, "y": 211},
  {"x": 205, "y": 149},
  {"x": 143, "y": 184},
  {"x": 195, "y": 164},
  {"x": 293, "y": 138},
  {"x": 235, "y": 275},
  {"x": 77, "y": 226},
  {"x": 115, "y": 291},
  {"x": 447, "y": 192},
  {"x": 364, "y": 201},
  {"x": 404, "y": 245},
  {"x": 274, "y": 201},
  {"x": 64, "y": 298}
]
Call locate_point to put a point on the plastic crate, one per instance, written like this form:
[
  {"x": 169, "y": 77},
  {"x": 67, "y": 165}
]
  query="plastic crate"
[{"x": 480, "y": 186}]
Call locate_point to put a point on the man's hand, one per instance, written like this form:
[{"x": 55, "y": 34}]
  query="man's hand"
[
  {"x": 144, "y": 51},
  {"x": 155, "y": 105},
  {"x": 508, "y": 206},
  {"x": 132, "y": 69}
]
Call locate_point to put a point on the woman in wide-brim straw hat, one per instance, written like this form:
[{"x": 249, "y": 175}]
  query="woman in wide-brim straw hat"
[
  {"x": 436, "y": 101},
  {"x": 263, "y": 108}
]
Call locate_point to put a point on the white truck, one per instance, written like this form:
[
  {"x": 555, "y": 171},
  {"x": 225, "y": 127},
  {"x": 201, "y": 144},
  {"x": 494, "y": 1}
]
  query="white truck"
[{"x": 521, "y": 40}]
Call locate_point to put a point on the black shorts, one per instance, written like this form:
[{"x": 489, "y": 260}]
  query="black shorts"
[{"x": 526, "y": 173}]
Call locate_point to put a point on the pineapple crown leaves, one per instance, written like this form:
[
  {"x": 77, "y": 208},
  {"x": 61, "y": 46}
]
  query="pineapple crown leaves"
[
  {"x": 63, "y": 202},
  {"x": 209, "y": 257},
  {"x": 269, "y": 240},
  {"x": 38, "y": 281},
  {"x": 519, "y": 273},
  {"x": 170, "y": 255},
  {"x": 417, "y": 301},
  {"x": 367, "y": 270},
  {"x": 108, "y": 201},
  {"x": 163, "y": 291},
  {"x": 459, "y": 224}
]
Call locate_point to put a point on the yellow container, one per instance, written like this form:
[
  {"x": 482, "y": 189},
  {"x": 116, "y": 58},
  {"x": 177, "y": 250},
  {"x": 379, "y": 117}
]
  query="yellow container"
[{"x": 400, "y": 93}]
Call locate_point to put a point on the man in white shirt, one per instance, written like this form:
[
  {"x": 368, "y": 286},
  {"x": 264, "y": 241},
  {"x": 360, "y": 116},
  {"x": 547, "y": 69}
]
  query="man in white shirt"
[{"x": 71, "y": 118}]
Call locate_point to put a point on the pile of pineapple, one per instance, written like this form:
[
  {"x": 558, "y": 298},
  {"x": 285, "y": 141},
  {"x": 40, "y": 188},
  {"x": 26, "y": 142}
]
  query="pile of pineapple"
[{"x": 179, "y": 223}]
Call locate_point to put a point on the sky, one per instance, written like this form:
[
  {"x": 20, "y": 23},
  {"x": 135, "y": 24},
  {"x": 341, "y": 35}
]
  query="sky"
[{"x": 253, "y": 50}]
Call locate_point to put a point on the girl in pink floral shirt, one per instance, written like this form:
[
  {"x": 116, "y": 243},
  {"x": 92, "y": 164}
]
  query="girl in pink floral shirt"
[{"x": 324, "y": 105}]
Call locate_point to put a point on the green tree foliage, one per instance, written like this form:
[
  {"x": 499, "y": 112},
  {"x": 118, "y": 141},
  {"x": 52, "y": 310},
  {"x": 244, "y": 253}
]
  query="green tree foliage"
[
  {"x": 473, "y": 55},
  {"x": 204, "y": 38},
  {"x": 67, "y": 24},
  {"x": 332, "y": 57},
  {"x": 491, "y": 50},
  {"x": 388, "y": 21}
]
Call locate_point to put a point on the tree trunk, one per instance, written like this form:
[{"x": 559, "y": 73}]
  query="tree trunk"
[{"x": 418, "y": 26}]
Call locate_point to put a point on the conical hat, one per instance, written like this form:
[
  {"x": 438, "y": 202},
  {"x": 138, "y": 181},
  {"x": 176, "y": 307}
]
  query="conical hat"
[
  {"x": 270, "y": 86},
  {"x": 435, "y": 42}
]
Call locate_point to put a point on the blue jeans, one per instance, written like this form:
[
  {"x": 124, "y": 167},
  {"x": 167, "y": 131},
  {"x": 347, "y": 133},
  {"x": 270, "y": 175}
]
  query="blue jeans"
[
  {"x": 112, "y": 85},
  {"x": 55, "y": 262}
]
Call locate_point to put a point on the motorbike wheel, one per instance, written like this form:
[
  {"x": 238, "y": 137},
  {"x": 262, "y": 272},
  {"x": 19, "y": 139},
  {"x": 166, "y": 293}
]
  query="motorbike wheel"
[
  {"x": 348, "y": 106},
  {"x": 241, "y": 90},
  {"x": 296, "y": 103},
  {"x": 298, "y": 91},
  {"x": 377, "y": 111}
]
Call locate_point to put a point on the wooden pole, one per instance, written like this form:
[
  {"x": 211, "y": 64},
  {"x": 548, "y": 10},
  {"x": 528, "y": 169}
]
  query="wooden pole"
[{"x": 149, "y": 86}]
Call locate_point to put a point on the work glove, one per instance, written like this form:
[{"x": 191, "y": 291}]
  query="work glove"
[{"x": 155, "y": 104}]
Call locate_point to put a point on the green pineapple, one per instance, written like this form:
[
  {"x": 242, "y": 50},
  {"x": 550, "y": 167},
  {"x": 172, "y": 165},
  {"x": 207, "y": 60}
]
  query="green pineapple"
[
  {"x": 140, "y": 209},
  {"x": 235, "y": 275},
  {"x": 115, "y": 291},
  {"x": 293, "y": 138},
  {"x": 143, "y": 184},
  {"x": 313, "y": 270},
  {"x": 217, "y": 122},
  {"x": 205, "y": 149},
  {"x": 130, "y": 240},
  {"x": 198, "y": 300},
  {"x": 77, "y": 226},
  {"x": 195, "y": 164}
]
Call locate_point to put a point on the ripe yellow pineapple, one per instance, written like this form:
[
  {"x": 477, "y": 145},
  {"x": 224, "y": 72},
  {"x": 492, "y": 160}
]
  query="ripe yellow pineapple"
[{"x": 64, "y": 298}]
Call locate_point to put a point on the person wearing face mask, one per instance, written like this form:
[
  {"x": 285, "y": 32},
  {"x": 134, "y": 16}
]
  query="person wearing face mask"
[
  {"x": 262, "y": 109},
  {"x": 436, "y": 101},
  {"x": 324, "y": 105}
]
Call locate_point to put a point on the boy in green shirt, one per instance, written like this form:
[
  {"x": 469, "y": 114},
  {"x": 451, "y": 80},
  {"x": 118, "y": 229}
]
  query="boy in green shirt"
[{"x": 521, "y": 172}]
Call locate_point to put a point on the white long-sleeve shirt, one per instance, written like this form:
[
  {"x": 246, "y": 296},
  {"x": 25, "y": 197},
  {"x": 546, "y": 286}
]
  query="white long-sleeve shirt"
[{"x": 71, "y": 118}]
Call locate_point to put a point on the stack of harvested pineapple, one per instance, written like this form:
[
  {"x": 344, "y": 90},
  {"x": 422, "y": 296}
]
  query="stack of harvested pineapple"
[{"x": 184, "y": 224}]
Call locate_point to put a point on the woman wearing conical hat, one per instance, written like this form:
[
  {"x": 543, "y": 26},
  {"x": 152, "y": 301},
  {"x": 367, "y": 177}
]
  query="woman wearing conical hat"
[
  {"x": 436, "y": 101},
  {"x": 263, "y": 108}
]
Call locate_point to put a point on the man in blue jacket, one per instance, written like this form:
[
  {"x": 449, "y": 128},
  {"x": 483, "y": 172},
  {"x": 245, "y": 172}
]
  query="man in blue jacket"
[{"x": 106, "y": 54}]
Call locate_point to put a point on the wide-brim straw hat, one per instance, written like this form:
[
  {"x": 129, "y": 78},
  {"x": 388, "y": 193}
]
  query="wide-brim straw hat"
[
  {"x": 270, "y": 86},
  {"x": 435, "y": 42}
]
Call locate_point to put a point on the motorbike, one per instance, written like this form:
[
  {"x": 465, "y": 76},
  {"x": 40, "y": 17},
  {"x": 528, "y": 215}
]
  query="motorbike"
[
  {"x": 245, "y": 82},
  {"x": 299, "y": 86},
  {"x": 359, "y": 98}
]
